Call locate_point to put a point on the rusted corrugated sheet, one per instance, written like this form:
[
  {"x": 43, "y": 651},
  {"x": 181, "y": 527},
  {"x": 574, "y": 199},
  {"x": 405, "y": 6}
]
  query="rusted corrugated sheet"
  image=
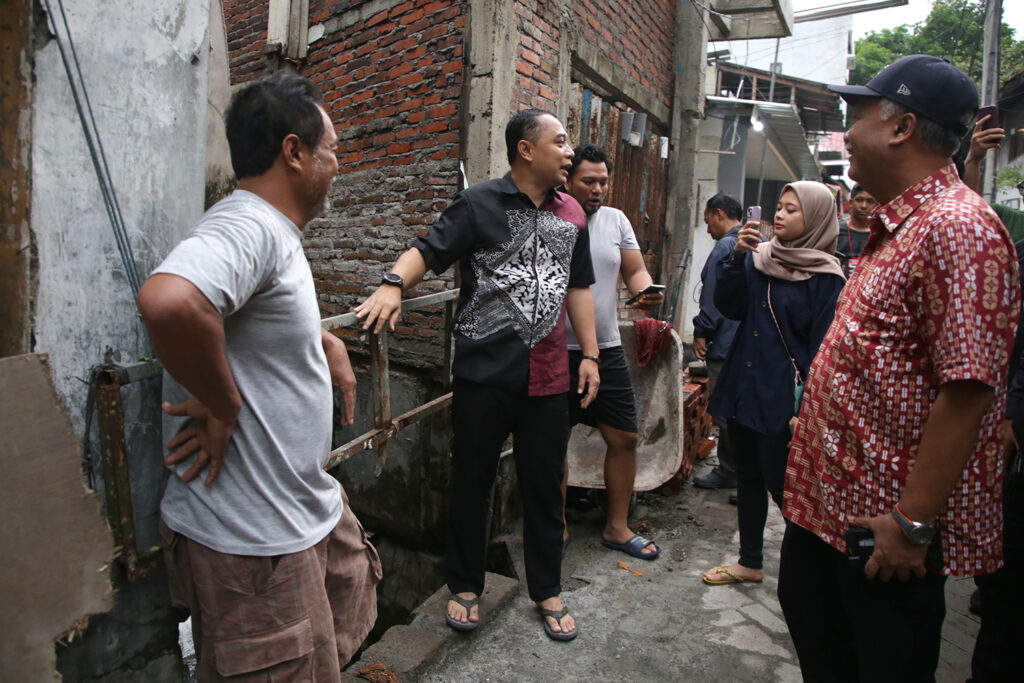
[
  {"x": 638, "y": 182},
  {"x": 15, "y": 238}
]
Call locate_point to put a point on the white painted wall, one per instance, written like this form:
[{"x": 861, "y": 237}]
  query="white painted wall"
[
  {"x": 145, "y": 66},
  {"x": 707, "y": 182}
]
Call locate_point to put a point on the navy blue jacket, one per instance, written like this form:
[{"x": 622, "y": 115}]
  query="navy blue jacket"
[
  {"x": 710, "y": 324},
  {"x": 756, "y": 384}
]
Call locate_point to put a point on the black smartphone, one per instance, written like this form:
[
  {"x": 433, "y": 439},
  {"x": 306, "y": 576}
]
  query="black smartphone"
[
  {"x": 992, "y": 111},
  {"x": 650, "y": 290},
  {"x": 860, "y": 543}
]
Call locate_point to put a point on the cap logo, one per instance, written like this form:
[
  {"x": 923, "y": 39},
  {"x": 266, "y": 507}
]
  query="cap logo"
[{"x": 903, "y": 89}]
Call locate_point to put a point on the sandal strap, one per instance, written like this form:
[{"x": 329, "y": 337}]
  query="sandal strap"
[
  {"x": 554, "y": 614},
  {"x": 468, "y": 603},
  {"x": 725, "y": 570}
]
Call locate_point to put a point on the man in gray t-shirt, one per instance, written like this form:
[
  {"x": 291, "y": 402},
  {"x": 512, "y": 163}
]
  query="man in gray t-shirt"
[
  {"x": 233, "y": 316},
  {"x": 614, "y": 252}
]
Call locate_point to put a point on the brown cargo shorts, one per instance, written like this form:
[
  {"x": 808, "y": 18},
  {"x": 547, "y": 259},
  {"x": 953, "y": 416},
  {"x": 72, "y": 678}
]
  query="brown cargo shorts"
[{"x": 296, "y": 617}]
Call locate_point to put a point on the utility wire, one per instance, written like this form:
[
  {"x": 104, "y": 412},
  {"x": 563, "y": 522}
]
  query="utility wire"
[{"x": 92, "y": 137}]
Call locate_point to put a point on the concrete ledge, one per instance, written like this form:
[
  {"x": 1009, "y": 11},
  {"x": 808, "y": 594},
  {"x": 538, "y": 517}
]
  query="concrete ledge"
[
  {"x": 430, "y": 615},
  {"x": 408, "y": 649},
  {"x": 405, "y": 650}
]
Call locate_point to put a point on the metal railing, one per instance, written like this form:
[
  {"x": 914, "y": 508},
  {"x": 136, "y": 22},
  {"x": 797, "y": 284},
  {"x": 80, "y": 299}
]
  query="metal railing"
[
  {"x": 386, "y": 426},
  {"x": 114, "y": 450}
]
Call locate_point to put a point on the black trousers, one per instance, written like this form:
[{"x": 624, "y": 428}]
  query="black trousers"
[
  {"x": 1002, "y": 599},
  {"x": 482, "y": 417},
  {"x": 760, "y": 471},
  {"x": 846, "y": 628}
]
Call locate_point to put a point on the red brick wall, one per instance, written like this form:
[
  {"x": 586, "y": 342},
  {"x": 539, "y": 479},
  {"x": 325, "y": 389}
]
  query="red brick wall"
[
  {"x": 635, "y": 34},
  {"x": 246, "y": 24},
  {"x": 391, "y": 75},
  {"x": 392, "y": 80},
  {"x": 536, "y": 79}
]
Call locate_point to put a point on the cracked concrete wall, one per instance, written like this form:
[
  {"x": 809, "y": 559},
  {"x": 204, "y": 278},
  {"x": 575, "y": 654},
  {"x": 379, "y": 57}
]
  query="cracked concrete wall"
[{"x": 144, "y": 65}]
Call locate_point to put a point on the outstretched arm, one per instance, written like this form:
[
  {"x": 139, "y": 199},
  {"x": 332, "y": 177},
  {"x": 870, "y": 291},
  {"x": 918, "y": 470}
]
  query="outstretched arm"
[{"x": 384, "y": 305}]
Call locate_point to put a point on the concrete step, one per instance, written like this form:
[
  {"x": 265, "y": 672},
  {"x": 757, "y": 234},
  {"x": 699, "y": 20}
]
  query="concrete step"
[{"x": 408, "y": 650}]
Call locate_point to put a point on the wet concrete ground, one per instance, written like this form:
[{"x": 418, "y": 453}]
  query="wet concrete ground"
[{"x": 664, "y": 625}]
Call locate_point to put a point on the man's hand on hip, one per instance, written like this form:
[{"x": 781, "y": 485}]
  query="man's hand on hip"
[
  {"x": 204, "y": 437},
  {"x": 894, "y": 554}
]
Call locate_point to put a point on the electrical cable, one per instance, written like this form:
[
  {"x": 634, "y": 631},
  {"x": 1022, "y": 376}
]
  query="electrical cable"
[{"x": 92, "y": 137}]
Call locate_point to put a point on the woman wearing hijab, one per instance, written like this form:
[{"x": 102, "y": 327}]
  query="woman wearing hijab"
[{"x": 784, "y": 294}]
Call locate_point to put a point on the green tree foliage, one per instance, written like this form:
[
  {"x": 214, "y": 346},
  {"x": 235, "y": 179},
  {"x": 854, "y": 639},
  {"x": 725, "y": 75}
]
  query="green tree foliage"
[{"x": 954, "y": 29}]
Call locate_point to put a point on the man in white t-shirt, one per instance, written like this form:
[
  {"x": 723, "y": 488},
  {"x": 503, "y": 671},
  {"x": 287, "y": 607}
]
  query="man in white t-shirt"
[
  {"x": 274, "y": 568},
  {"x": 614, "y": 252}
]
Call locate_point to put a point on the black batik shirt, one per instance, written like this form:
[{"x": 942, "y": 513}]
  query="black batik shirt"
[{"x": 517, "y": 263}]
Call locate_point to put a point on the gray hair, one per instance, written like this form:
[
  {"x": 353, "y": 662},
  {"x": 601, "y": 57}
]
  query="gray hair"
[{"x": 931, "y": 134}]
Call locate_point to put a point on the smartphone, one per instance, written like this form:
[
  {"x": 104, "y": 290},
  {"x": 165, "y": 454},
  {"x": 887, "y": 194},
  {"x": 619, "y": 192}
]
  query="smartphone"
[
  {"x": 754, "y": 214},
  {"x": 860, "y": 543},
  {"x": 650, "y": 290},
  {"x": 992, "y": 111}
]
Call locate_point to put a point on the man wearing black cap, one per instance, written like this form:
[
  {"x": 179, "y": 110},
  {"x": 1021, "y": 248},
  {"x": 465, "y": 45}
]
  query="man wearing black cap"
[{"x": 897, "y": 444}]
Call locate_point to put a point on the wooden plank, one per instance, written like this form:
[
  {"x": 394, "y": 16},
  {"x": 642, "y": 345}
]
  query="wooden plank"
[{"x": 55, "y": 543}]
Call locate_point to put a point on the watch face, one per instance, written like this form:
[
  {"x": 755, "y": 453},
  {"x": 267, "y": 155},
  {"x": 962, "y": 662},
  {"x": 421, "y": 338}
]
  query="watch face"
[
  {"x": 393, "y": 279},
  {"x": 921, "y": 534}
]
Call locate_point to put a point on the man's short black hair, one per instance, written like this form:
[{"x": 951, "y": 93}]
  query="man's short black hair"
[
  {"x": 261, "y": 115},
  {"x": 857, "y": 189},
  {"x": 592, "y": 153},
  {"x": 524, "y": 125},
  {"x": 727, "y": 205}
]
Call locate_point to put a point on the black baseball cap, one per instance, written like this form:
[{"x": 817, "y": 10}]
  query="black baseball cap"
[{"x": 928, "y": 86}]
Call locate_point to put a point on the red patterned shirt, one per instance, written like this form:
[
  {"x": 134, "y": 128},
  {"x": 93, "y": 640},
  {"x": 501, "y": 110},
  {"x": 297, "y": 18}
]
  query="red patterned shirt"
[{"x": 934, "y": 300}]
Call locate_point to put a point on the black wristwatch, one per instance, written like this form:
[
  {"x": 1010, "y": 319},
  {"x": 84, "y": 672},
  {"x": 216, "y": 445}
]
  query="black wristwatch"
[
  {"x": 393, "y": 279},
  {"x": 917, "y": 533}
]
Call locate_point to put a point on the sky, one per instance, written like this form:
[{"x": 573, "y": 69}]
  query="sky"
[{"x": 913, "y": 12}]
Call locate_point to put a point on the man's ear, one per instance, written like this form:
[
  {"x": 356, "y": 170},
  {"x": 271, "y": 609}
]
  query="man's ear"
[
  {"x": 525, "y": 148},
  {"x": 292, "y": 151},
  {"x": 902, "y": 128}
]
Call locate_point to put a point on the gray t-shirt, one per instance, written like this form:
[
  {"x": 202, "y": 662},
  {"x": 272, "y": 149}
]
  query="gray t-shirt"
[
  {"x": 610, "y": 233},
  {"x": 272, "y": 495}
]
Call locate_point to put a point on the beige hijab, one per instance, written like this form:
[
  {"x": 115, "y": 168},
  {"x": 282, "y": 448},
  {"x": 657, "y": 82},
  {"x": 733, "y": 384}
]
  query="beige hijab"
[{"x": 814, "y": 251}]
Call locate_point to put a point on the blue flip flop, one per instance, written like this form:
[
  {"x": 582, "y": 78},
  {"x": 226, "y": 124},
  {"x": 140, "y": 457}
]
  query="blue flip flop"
[
  {"x": 634, "y": 547},
  {"x": 469, "y": 605}
]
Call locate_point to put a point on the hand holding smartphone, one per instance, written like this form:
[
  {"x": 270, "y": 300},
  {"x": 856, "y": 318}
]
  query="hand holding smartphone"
[
  {"x": 992, "y": 112},
  {"x": 639, "y": 295},
  {"x": 751, "y": 232}
]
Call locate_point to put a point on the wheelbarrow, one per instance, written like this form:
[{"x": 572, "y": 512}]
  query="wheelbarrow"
[{"x": 659, "y": 405}]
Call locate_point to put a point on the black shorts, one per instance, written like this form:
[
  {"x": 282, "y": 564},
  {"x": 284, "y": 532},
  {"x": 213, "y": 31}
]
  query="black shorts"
[{"x": 614, "y": 405}]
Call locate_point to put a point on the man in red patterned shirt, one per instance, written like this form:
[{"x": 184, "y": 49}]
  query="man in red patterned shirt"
[{"x": 898, "y": 431}]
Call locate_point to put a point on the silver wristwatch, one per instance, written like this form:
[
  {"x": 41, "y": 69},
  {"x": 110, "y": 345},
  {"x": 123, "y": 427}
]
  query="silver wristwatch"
[{"x": 917, "y": 533}]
